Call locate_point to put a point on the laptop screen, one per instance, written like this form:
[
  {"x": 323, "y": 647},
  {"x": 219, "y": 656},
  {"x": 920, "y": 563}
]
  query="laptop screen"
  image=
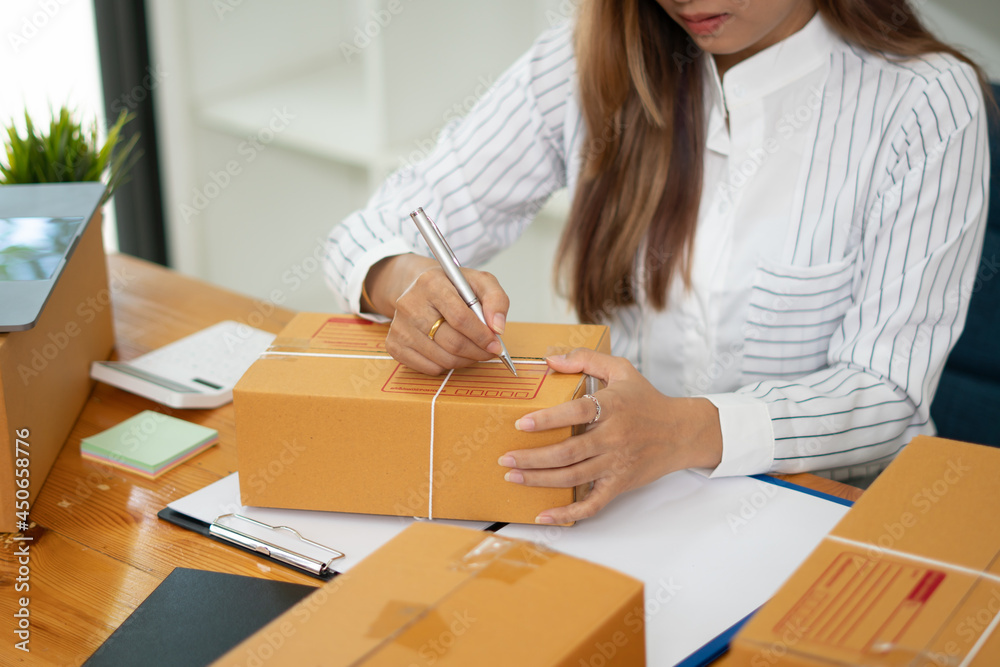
[{"x": 32, "y": 248}]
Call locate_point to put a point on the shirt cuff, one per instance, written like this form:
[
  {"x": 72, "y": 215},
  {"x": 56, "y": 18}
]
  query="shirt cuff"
[
  {"x": 361, "y": 268},
  {"x": 747, "y": 436}
]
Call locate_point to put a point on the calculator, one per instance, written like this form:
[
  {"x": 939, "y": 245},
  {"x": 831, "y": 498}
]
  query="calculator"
[{"x": 198, "y": 371}]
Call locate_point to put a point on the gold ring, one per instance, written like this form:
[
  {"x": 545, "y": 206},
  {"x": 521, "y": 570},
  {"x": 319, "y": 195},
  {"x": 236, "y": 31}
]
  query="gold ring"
[{"x": 435, "y": 327}]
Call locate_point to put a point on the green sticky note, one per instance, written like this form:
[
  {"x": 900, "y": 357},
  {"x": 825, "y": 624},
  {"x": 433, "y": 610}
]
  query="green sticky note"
[{"x": 150, "y": 443}]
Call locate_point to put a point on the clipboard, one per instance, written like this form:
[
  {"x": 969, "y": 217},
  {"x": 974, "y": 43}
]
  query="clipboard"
[
  {"x": 264, "y": 549},
  {"x": 319, "y": 544},
  {"x": 710, "y": 552}
]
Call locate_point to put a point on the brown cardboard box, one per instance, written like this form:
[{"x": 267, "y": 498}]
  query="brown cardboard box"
[
  {"x": 441, "y": 595},
  {"x": 45, "y": 371},
  {"x": 328, "y": 421},
  {"x": 910, "y": 575}
]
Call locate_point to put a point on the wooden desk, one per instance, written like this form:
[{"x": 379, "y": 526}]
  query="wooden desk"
[{"x": 98, "y": 547}]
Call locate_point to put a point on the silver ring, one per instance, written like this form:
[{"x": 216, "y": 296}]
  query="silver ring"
[{"x": 597, "y": 404}]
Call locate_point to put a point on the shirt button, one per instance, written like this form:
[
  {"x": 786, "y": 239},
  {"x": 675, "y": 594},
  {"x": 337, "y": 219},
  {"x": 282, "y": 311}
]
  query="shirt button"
[{"x": 738, "y": 91}]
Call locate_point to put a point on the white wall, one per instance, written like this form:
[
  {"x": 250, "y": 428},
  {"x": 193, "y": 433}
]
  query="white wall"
[
  {"x": 226, "y": 70},
  {"x": 362, "y": 97}
]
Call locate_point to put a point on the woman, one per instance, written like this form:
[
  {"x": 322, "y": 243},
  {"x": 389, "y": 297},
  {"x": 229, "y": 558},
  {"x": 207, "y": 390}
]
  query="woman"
[{"x": 778, "y": 208}]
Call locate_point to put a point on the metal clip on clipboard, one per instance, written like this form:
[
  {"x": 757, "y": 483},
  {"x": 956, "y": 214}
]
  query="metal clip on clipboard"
[{"x": 284, "y": 554}]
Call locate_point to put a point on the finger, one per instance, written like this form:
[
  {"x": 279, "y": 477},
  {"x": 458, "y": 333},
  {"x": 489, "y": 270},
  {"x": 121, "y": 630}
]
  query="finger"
[
  {"x": 414, "y": 319},
  {"x": 493, "y": 297},
  {"x": 596, "y": 500},
  {"x": 571, "y": 413},
  {"x": 458, "y": 345},
  {"x": 572, "y": 450},
  {"x": 463, "y": 320},
  {"x": 604, "y": 367},
  {"x": 415, "y": 361},
  {"x": 432, "y": 295},
  {"x": 415, "y": 350},
  {"x": 558, "y": 478}
]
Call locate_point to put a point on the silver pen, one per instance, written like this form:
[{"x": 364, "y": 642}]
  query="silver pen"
[{"x": 453, "y": 269}]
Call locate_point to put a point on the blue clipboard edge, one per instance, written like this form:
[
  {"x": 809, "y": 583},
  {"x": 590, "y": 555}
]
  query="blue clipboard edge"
[
  {"x": 809, "y": 492},
  {"x": 718, "y": 646}
]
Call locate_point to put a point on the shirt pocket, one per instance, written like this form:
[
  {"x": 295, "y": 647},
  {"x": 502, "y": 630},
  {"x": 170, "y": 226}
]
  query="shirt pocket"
[{"x": 794, "y": 312}]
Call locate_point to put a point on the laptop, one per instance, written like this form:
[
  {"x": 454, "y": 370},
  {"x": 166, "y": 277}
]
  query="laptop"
[{"x": 40, "y": 226}]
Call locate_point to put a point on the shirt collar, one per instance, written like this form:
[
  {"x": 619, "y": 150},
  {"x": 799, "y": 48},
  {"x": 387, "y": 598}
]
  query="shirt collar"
[
  {"x": 763, "y": 73},
  {"x": 716, "y": 129},
  {"x": 778, "y": 65}
]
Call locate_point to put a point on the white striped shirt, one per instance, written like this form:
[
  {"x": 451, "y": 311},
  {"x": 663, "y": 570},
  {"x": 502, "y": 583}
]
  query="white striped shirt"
[{"x": 839, "y": 232}]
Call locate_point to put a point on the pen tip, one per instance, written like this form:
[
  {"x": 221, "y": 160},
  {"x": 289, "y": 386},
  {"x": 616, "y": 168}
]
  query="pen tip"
[{"x": 509, "y": 364}]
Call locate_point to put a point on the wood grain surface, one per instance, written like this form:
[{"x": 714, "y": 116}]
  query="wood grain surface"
[{"x": 97, "y": 548}]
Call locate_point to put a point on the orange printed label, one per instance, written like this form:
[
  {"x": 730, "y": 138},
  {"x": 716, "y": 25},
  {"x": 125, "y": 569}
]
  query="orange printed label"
[
  {"x": 857, "y": 593},
  {"x": 350, "y": 334},
  {"x": 479, "y": 381}
]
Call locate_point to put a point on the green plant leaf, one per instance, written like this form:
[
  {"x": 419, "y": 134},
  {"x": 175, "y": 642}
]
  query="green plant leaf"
[{"x": 67, "y": 153}]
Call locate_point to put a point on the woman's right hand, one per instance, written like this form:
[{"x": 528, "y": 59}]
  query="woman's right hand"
[{"x": 414, "y": 291}]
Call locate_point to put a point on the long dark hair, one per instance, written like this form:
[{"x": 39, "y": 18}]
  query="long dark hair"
[{"x": 641, "y": 177}]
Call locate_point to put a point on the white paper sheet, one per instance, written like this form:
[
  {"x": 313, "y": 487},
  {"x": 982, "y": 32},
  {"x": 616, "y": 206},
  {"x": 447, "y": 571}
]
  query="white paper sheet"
[
  {"x": 356, "y": 535},
  {"x": 710, "y": 551}
]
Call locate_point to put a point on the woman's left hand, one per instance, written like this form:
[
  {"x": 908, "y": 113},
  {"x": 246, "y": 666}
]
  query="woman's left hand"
[{"x": 641, "y": 436}]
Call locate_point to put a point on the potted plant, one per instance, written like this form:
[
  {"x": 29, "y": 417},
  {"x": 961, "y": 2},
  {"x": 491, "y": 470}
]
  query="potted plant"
[{"x": 67, "y": 153}]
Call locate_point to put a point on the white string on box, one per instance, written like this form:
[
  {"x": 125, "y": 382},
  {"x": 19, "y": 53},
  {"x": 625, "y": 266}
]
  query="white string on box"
[
  {"x": 386, "y": 357},
  {"x": 430, "y": 467},
  {"x": 281, "y": 353},
  {"x": 430, "y": 474},
  {"x": 914, "y": 557}
]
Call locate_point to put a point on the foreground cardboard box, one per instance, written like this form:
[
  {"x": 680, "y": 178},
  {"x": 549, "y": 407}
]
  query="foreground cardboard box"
[
  {"x": 329, "y": 421},
  {"x": 441, "y": 595},
  {"x": 910, "y": 576},
  {"x": 45, "y": 371}
]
